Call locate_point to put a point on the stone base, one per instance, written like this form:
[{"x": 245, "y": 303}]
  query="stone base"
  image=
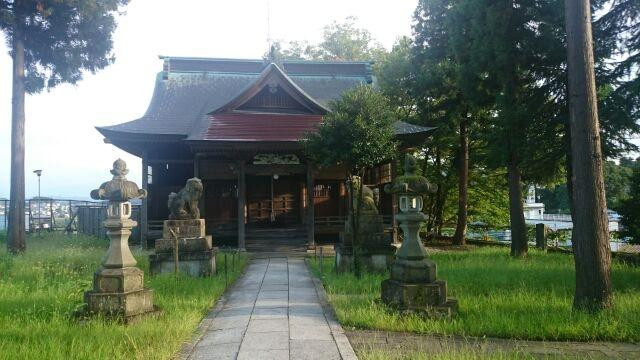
[
  {"x": 119, "y": 293},
  {"x": 193, "y": 228},
  {"x": 202, "y": 263},
  {"x": 379, "y": 258},
  {"x": 429, "y": 298},
  {"x": 195, "y": 244},
  {"x": 122, "y": 280},
  {"x": 414, "y": 271},
  {"x": 120, "y": 304}
]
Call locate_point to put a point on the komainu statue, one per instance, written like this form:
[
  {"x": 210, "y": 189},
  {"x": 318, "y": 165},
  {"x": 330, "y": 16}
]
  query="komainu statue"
[{"x": 184, "y": 204}]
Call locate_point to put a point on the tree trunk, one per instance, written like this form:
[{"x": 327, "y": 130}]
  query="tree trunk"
[
  {"x": 459, "y": 238},
  {"x": 519, "y": 246},
  {"x": 569, "y": 164},
  {"x": 590, "y": 236},
  {"x": 514, "y": 136},
  {"x": 16, "y": 242}
]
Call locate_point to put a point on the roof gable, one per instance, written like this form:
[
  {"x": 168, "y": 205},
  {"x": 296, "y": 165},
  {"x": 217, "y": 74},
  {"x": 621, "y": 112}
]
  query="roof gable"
[{"x": 273, "y": 91}]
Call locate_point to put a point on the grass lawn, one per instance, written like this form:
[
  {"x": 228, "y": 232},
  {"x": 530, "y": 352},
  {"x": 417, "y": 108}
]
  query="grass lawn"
[
  {"x": 499, "y": 297},
  {"x": 40, "y": 290}
]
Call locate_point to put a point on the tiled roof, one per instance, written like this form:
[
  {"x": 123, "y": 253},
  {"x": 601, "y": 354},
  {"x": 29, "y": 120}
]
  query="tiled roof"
[{"x": 188, "y": 89}]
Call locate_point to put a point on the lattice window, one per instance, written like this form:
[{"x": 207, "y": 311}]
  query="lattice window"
[{"x": 273, "y": 98}]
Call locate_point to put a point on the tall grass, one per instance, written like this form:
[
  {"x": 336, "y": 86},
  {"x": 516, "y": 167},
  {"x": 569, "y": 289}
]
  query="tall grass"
[
  {"x": 40, "y": 290},
  {"x": 500, "y": 297},
  {"x": 452, "y": 354}
]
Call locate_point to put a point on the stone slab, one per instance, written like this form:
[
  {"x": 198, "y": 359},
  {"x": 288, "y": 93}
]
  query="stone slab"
[
  {"x": 268, "y": 325},
  {"x": 120, "y": 304},
  {"x": 118, "y": 280},
  {"x": 275, "y": 340},
  {"x": 196, "y": 244},
  {"x": 194, "y": 264},
  {"x": 264, "y": 354},
  {"x": 430, "y": 297},
  {"x": 183, "y": 228},
  {"x": 314, "y": 350},
  {"x": 276, "y": 310}
]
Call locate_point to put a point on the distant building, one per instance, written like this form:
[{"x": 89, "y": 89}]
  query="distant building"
[
  {"x": 534, "y": 214},
  {"x": 533, "y": 210}
]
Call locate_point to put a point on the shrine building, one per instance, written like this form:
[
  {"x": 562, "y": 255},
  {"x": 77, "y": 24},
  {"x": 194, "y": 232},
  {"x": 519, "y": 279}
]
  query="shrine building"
[{"x": 236, "y": 125}]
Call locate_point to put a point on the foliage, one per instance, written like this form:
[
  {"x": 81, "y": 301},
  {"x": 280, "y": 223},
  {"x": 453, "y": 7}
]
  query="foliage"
[
  {"x": 357, "y": 133},
  {"x": 630, "y": 209},
  {"x": 555, "y": 199},
  {"x": 558, "y": 237},
  {"x": 62, "y": 39},
  {"x": 341, "y": 41},
  {"x": 488, "y": 199},
  {"x": 41, "y": 289},
  {"x": 499, "y": 297},
  {"x": 617, "y": 182}
]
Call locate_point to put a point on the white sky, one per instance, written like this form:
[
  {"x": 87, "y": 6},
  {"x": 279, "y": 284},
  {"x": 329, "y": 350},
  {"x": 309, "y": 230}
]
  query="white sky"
[{"x": 60, "y": 134}]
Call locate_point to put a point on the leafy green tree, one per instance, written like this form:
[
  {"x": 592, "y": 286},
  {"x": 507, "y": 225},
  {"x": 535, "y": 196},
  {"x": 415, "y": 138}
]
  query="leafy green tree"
[
  {"x": 341, "y": 41},
  {"x": 444, "y": 102},
  {"x": 356, "y": 134},
  {"x": 555, "y": 199},
  {"x": 630, "y": 209},
  {"x": 617, "y": 183},
  {"x": 51, "y": 42},
  {"x": 346, "y": 42}
]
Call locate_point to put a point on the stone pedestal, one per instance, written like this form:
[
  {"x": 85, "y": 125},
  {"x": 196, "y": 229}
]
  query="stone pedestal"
[
  {"x": 118, "y": 287},
  {"x": 119, "y": 293},
  {"x": 377, "y": 252},
  {"x": 413, "y": 285},
  {"x": 196, "y": 254}
]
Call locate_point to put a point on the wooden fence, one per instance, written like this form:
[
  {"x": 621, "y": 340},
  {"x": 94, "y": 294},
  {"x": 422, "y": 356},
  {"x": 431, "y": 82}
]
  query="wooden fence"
[{"x": 90, "y": 217}]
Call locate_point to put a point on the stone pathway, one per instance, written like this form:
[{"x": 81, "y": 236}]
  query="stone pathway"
[
  {"x": 276, "y": 310},
  {"x": 399, "y": 344}
]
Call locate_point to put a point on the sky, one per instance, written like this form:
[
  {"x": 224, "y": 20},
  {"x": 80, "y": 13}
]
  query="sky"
[{"x": 60, "y": 135}]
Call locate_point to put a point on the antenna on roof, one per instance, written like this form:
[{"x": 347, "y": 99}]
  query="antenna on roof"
[
  {"x": 270, "y": 56},
  {"x": 269, "y": 25}
]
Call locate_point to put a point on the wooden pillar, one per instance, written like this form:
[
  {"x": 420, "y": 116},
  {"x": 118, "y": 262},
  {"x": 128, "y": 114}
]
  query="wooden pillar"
[
  {"x": 541, "y": 236},
  {"x": 394, "y": 204},
  {"x": 303, "y": 201},
  {"x": 311, "y": 243},
  {"x": 144, "y": 209},
  {"x": 342, "y": 195},
  {"x": 242, "y": 200}
]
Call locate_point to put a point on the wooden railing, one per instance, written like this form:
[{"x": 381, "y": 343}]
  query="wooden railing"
[{"x": 338, "y": 221}]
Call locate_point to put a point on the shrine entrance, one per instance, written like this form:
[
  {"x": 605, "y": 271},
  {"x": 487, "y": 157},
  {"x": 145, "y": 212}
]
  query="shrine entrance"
[{"x": 274, "y": 201}]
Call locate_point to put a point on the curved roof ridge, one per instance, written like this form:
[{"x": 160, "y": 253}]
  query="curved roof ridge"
[{"x": 252, "y": 89}]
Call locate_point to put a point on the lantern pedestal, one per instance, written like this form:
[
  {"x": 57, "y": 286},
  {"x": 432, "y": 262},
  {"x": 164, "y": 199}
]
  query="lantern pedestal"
[
  {"x": 413, "y": 285},
  {"x": 118, "y": 287}
]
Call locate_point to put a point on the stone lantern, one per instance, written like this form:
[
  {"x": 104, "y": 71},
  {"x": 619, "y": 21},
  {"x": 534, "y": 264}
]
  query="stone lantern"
[
  {"x": 413, "y": 285},
  {"x": 118, "y": 289}
]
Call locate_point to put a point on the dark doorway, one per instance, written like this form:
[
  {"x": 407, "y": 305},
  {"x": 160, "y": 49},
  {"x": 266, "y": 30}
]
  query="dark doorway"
[{"x": 273, "y": 201}]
